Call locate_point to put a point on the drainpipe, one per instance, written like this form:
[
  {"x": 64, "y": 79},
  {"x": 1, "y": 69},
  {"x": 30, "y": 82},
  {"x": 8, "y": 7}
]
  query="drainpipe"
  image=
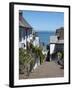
[{"x": 26, "y": 38}]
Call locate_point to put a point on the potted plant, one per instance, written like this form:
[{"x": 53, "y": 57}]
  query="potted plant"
[{"x": 59, "y": 55}]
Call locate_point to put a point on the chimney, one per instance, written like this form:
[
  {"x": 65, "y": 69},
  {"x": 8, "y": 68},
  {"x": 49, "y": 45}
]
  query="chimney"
[{"x": 20, "y": 12}]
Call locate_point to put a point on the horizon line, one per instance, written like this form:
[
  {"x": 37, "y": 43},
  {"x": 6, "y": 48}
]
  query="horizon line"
[{"x": 46, "y": 30}]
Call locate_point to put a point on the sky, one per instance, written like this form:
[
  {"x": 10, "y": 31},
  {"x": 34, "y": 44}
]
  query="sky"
[{"x": 44, "y": 21}]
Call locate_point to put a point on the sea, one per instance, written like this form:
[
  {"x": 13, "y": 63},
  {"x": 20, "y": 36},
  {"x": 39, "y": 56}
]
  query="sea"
[{"x": 45, "y": 36}]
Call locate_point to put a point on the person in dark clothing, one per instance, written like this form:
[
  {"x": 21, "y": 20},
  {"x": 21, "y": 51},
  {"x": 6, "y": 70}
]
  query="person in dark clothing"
[{"x": 48, "y": 54}]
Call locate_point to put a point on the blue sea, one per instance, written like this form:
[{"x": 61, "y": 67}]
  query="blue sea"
[{"x": 45, "y": 36}]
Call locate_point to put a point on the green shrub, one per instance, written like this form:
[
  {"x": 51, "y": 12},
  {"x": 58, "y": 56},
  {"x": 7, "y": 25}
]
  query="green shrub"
[
  {"x": 38, "y": 52},
  {"x": 24, "y": 56},
  {"x": 60, "y": 55},
  {"x": 25, "y": 60}
]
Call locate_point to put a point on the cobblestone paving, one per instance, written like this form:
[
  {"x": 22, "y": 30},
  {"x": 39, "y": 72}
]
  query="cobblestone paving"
[{"x": 47, "y": 70}]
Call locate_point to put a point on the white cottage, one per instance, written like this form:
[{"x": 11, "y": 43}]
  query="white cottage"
[
  {"x": 26, "y": 33},
  {"x": 57, "y": 43}
]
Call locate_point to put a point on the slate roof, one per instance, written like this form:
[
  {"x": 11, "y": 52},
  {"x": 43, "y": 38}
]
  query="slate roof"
[
  {"x": 60, "y": 33},
  {"x": 23, "y": 22},
  {"x": 53, "y": 39}
]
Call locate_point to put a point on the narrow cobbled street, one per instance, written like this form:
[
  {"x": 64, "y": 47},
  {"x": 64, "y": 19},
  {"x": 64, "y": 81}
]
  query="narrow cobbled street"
[{"x": 47, "y": 70}]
